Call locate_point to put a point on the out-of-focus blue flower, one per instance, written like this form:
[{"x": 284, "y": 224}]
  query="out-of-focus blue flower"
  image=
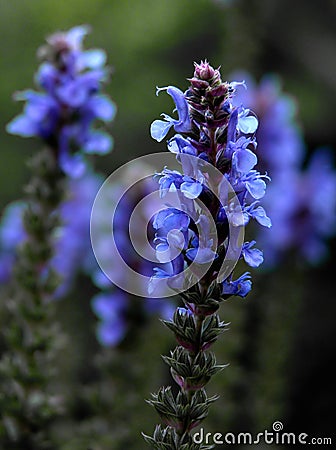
[
  {"x": 111, "y": 309},
  {"x": 113, "y": 306},
  {"x": 69, "y": 101},
  {"x": 280, "y": 141},
  {"x": 12, "y": 233},
  {"x": 71, "y": 240},
  {"x": 303, "y": 211},
  {"x": 300, "y": 202}
]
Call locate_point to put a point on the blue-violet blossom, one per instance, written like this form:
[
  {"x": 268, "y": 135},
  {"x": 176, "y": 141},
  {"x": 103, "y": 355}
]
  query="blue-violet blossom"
[
  {"x": 115, "y": 308},
  {"x": 212, "y": 129},
  {"x": 69, "y": 101},
  {"x": 301, "y": 201}
]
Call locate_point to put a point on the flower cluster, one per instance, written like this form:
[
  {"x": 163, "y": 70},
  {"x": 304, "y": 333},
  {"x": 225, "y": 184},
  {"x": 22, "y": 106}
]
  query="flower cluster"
[
  {"x": 210, "y": 131},
  {"x": 45, "y": 238},
  {"x": 302, "y": 205},
  {"x": 218, "y": 190},
  {"x": 300, "y": 201},
  {"x": 69, "y": 101},
  {"x": 117, "y": 310}
]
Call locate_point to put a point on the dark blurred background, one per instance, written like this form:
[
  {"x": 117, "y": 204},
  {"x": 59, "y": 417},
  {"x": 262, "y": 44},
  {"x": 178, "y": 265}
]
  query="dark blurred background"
[{"x": 281, "y": 343}]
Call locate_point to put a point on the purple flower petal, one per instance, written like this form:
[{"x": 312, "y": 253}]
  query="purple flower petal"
[
  {"x": 111, "y": 334},
  {"x": 159, "y": 129},
  {"x": 102, "y": 107},
  {"x": 92, "y": 59},
  {"x": 23, "y": 126},
  {"x": 244, "y": 160},
  {"x": 183, "y": 124},
  {"x": 191, "y": 189},
  {"x": 247, "y": 124},
  {"x": 252, "y": 256},
  {"x": 97, "y": 142}
]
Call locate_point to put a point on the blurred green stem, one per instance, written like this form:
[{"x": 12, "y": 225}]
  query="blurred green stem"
[{"x": 31, "y": 338}]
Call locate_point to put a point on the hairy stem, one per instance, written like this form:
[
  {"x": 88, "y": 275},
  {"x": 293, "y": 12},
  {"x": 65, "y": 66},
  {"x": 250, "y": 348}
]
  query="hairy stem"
[{"x": 31, "y": 337}]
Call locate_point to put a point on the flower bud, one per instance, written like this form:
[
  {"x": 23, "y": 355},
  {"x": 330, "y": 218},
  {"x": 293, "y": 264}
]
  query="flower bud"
[{"x": 204, "y": 71}]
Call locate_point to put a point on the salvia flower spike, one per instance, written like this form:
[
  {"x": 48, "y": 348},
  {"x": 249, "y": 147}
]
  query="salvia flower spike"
[
  {"x": 61, "y": 114},
  {"x": 210, "y": 131}
]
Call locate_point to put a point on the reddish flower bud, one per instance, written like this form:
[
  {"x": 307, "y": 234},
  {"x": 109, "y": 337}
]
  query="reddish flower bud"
[{"x": 204, "y": 71}]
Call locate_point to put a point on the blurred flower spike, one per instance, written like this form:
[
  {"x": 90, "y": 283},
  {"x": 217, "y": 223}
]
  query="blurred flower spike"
[
  {"x": 63, "y": 111},
  {"x": 301, "y": 199},
  {"x": 71, "y": 239},
  {"x": 118, "y": 311}
]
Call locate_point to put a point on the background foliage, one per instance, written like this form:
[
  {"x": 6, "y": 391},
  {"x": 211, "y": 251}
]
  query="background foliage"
[{"x": 282, "y": 338}]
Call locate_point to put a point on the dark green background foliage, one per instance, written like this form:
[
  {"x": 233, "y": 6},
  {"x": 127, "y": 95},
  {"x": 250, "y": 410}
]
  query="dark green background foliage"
[{"x": 282, "y": 337}]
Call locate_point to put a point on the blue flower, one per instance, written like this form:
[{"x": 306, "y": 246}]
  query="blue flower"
[
  {"x": 12, "y": 235},
  {"x": 240, "y": 287},
  {"x": 179, "y": 144},
  {"x": 160, "y": 128},
  {"x": 203, "y": 252},
  {"x": 169, "y": 180},
  {"x": 184, "y": 311},
  {"x": 12, "y": 231},
  {"x": 111, "y": 309},
  {"x": 40, "y": 116},
  {"x": 169, "y": 219},
  {"x": 259, "y": 214},
  {"x": 301, "y": 220},
  {"x": 243, "y": 159},
  {"x": 172, "y": 180},
  {"x": 191, "y": 188},
  {"x": 222, "y": 134},
  {"x": 252, "y": 256},
  {"x": 247, "y": 124},
  {"x": 63, "y": 113},
  {"x": 254, "y": 183}
]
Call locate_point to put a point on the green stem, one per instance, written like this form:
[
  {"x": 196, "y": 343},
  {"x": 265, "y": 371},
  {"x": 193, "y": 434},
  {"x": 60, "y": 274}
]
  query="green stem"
[{"x": 189, "y": 393}]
